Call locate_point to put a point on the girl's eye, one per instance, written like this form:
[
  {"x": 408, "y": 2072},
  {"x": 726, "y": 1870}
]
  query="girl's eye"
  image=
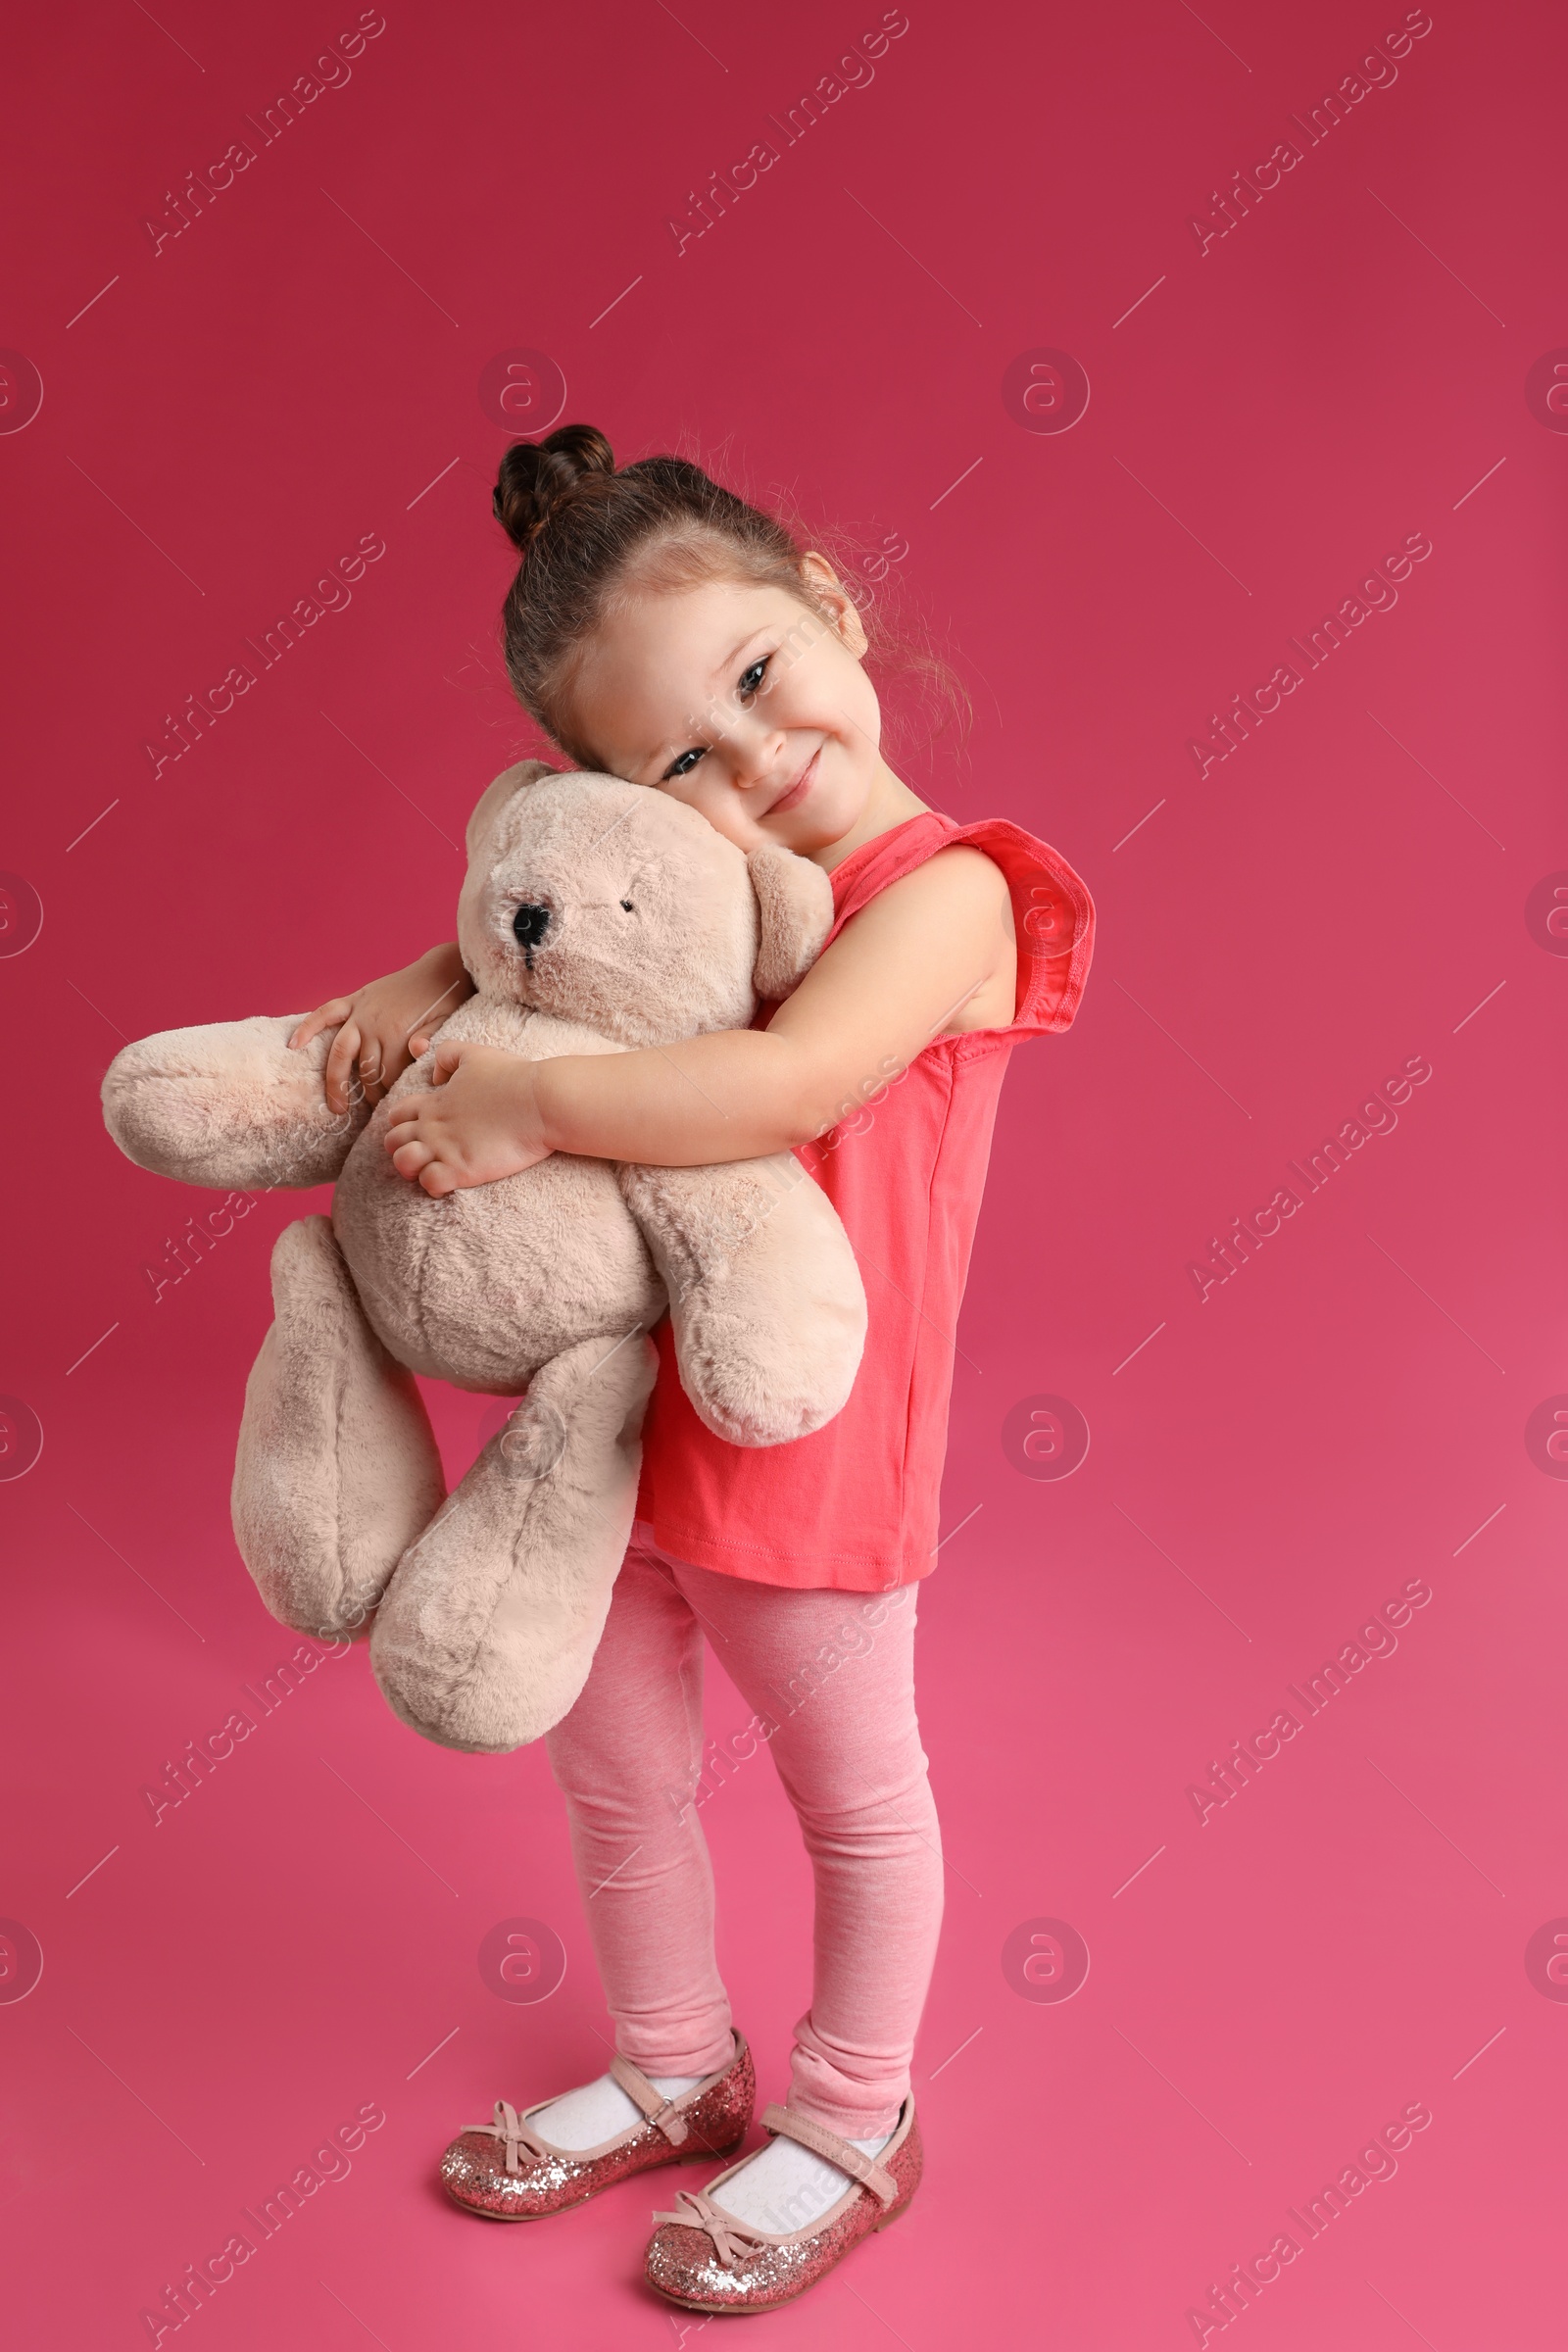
[{"x": 750, "y": 682}]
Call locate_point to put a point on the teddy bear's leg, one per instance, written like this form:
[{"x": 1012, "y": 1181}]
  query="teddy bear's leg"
[
  {"x": 489, "y": 1626},
  {"x": 764, "y": 1295},
  {"x": 337, "y": 1469}
]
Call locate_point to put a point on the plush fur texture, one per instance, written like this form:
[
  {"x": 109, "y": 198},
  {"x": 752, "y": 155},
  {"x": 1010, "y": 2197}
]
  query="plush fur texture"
[
  {"x": 228, "y": 1105},
  {"x": 337, "y": 1470},
  {"x": 644, "y": 926}
]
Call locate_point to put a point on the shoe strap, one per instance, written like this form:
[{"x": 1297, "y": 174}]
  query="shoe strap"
[
  {"x": 833, "y": 2150},
  {"x": 517, "y": 2140},
  {"x": 663, "y": 2114}
]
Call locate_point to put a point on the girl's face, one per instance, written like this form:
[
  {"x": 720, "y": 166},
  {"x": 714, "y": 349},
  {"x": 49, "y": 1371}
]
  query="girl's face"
[{"x": 742, "y": 702}]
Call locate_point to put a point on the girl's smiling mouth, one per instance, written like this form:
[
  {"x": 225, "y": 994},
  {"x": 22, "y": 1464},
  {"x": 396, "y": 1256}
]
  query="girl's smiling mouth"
[{"x": 793, "y": 793}]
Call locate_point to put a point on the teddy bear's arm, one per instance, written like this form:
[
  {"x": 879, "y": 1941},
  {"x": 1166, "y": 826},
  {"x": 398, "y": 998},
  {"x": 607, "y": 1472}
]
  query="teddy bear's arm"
[
  {"x": 764, "y": 1295},
  {"x": 229, "y": 1104}
]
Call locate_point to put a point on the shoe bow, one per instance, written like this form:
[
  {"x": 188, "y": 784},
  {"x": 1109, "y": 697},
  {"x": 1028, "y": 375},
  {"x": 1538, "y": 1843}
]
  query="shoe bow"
[
  {"x": 514, "y": 2136},
  {"x": 732, "y": 2241}
]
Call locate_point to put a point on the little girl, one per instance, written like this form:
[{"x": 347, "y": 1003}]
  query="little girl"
[{"x": 661, "y": 630}]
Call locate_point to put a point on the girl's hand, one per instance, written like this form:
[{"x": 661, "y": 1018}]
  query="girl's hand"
[
  {"x": 482, "y": 1123},
  {"x": 386, "y": 1026}
]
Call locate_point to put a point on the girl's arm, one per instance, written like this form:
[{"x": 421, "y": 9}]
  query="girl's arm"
[
  {"x": 932, "y": 953},
  {"x": 383, "y": 1026}
]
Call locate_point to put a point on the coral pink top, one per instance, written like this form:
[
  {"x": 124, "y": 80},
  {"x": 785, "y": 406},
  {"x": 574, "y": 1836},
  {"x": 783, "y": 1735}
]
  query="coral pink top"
[{"x": 853, "y": 1507}]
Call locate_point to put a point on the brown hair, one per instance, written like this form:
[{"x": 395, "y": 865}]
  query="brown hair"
[{"x": 589, "y": 534}]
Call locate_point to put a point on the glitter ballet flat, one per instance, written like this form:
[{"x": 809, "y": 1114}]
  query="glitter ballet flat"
[
  {"x": 705, "y": 2260},
  {"x": 507, "y": 2172}
]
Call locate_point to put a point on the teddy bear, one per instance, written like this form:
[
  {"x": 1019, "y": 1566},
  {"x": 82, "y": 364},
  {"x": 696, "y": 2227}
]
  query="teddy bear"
[{"x": 596, "y": 918}]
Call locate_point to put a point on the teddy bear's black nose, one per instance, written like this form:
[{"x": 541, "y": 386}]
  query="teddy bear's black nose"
[{"x": 530, "y": 923}]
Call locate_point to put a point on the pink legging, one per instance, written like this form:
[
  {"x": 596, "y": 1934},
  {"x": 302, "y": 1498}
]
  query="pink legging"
[{"x": 830, "y": 1677}]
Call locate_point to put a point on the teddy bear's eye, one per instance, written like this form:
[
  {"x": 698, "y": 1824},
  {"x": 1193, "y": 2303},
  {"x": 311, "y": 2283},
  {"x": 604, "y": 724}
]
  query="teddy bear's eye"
[{"x": 630, "y": 909}]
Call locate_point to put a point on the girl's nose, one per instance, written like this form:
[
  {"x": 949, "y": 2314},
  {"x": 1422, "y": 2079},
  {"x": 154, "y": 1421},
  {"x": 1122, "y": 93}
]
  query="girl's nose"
[{"x": 754, "y": 748}]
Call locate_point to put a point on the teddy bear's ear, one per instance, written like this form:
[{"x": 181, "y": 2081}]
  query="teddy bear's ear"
[
  {"x": 495, "y": 798},
  {"x": 795, "y": 904}
]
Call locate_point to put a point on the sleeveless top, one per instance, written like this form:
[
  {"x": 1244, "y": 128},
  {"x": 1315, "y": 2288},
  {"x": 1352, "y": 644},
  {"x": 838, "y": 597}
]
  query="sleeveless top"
[{"x": 854, "y": 1505}]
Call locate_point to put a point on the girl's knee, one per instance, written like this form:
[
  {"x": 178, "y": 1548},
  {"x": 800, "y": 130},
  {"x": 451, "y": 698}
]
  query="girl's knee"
[{"x": 874, "y": 1811}]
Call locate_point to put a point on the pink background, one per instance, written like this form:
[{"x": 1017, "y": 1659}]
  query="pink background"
[{"x": 1267, "y": 419}]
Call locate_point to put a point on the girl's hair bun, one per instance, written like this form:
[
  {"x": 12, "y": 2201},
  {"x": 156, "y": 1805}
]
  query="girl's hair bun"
[{"x": 537, "y": 478}]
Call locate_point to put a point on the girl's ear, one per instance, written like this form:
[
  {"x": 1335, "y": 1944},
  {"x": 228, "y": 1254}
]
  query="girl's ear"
[
  {"x": 795, "y": 907},
  {"x": 831, "y": 591}
]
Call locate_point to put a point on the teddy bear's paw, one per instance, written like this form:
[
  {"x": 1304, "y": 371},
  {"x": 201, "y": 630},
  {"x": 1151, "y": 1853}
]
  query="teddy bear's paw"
[
  {"x": 337, "y": 1470},
  {"x": 229, "y": 1104},
  {"x": 486, "y": 1633},
  {"x": 757, "y": 1383},
  {"x": 765, "y": 1297}
]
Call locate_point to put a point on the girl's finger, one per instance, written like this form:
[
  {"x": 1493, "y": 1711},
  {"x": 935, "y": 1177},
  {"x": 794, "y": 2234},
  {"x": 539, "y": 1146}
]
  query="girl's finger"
[
  {"x": 403, "y": 1114},
  {"x": 339, "y": 1064},
  {"x": 325, "y": 1016},
  {"x": 409, "y": 1157},
  {"x": 447, "y": 1058},
  {"x": 438, "y": 1181},
  {"x": 372, "y": 1076}
]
